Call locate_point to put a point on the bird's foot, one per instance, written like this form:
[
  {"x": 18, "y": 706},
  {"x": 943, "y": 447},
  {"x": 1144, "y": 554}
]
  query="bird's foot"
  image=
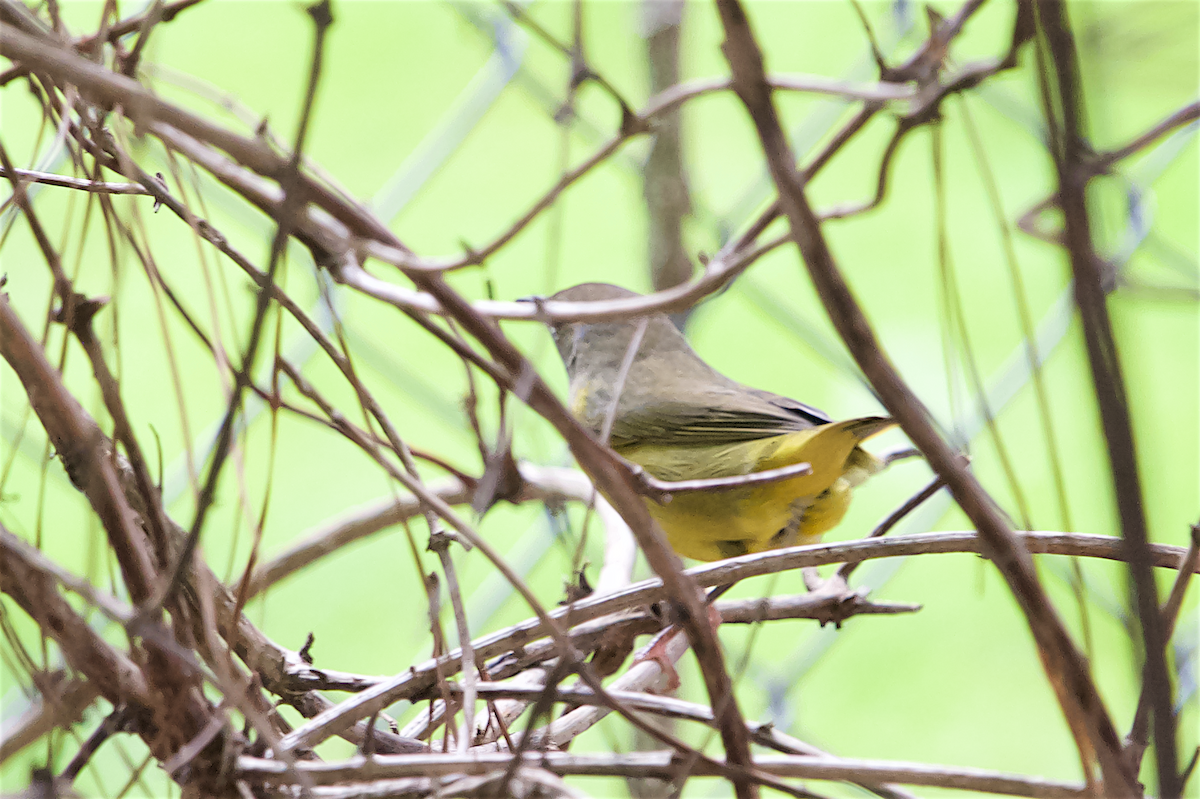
[{"x": 668, "y": 646}]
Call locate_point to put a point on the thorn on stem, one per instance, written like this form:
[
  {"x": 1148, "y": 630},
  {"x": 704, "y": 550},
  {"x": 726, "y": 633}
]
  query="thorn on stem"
[
  {"x": 472, "y": 255},
  {"x": 76, "y": 311},
  {"x": 579, "y": 588},
  {"x": 631, "y": 123},
  {"x": 321, "y": 13}
]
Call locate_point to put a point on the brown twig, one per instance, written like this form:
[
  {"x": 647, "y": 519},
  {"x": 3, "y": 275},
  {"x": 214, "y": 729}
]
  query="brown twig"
[
  {"x": 664, "y": 180},
  {"x": 1071, "y": 152},
  {"x": 80, "y": 325},
  {"x": 1068, "y": 674},
  {"x": 167, "y": 13},
  {"x": 440, "y": 544},
  {"x": 81, "y": 446},
  {"x": 335, "y": 720},
  {"x": 585, "y": 611},
  {"x": 895, "y": 517},
  {"x": 618, "y": 386},
  {"x": 663, "y": 765},
  {"x": 113, "y": 723},
  {"x": 117, "y": 677},
  {"x": 582, "y": 72},
  {"x": 133, "y": 59},
  {"x": 1184, "y": 116},
  {"x": 292, "y": 202},
  {"x": 93, "y": 186},
  {"x": 60, "y": 703},
  {"x": 1139, "y": 732}
]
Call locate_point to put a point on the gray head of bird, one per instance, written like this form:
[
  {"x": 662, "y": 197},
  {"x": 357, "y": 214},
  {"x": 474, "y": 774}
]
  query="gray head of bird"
[{"x": 597, "y": 347}]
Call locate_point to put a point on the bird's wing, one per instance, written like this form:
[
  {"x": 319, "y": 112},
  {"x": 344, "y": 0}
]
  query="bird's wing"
[
  {"x": 711, "y": 420},
  {"x": 793, "y": 407}
]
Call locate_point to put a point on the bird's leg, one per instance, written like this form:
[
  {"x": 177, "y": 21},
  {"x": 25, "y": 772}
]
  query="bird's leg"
[
  {"x": 669, "y": 645},
  {"x": 658, "y": 651}
]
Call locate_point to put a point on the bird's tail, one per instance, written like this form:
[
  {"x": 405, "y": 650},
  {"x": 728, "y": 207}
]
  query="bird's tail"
[
  {"x": 862, "y": 464},
  {"x": 866, "y": 426}
]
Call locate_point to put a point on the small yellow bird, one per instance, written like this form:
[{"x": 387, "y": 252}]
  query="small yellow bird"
[{"x": 680, "y": 419}]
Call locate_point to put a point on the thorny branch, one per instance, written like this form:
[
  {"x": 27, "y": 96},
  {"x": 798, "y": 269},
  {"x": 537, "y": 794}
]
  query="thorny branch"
[{"x": 341, "y": 233}]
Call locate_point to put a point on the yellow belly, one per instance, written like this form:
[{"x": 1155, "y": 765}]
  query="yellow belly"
[
  {"x": 710, "y": 525},
  {"x": 711, "y": 528}
]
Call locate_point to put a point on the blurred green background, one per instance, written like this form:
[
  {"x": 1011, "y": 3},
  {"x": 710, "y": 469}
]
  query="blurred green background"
[{"x": 441, "y": 116}]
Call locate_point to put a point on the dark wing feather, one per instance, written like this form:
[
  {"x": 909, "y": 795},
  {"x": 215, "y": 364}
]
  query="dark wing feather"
[
  {"x": 794, "y": 407},
  {"x": 697, "y": 423}
]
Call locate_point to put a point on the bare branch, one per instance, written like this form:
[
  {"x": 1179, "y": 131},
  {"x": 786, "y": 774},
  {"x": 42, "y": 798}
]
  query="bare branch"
[
  {"x": 113, "y": 673},
  {"x": 663, "y": 765},
  {"x": 82, "y": 448},
  {"x": 586, "y": 612},
  {"x": 1184, "y": 116},
  {"x": 895, "y": 517},
  {"x": 96, "y": 187},
  {"x": 1070, "y": 152},
  {"x": 1068, "y": 674},
  {"x": 1138, "y": 738},
  {"x": 58, "y": 705}
]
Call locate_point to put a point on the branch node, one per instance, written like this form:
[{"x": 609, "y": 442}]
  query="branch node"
[{"x": 77, "y": 311}]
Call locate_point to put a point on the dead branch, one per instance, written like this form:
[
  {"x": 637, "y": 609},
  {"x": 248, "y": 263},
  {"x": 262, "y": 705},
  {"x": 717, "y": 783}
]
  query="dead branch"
[
  {"x": 663, "y": 765},
  {"x": 1081, "y": 703},
  {"x": 1070, "y": 151}
]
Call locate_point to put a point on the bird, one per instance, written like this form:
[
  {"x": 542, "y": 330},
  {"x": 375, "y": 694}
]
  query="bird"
[{"x": 681, "y": 420}]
